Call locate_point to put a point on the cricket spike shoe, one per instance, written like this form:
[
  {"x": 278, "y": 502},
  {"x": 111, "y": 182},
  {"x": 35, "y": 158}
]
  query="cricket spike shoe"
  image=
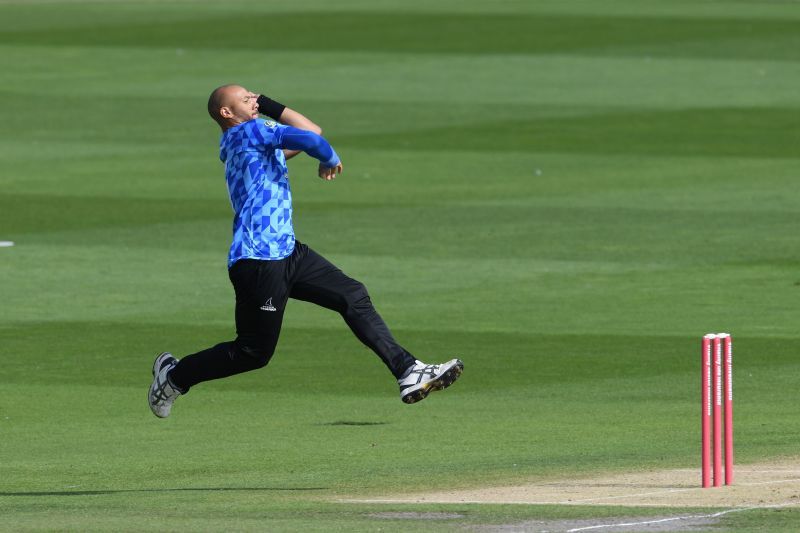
[
  {"x": 422, "y": 379},
  {"x": 162, "y": 393}
]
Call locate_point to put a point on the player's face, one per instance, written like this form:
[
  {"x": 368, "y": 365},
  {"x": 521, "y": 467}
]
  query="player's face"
[{"x": 242, "y": 104}]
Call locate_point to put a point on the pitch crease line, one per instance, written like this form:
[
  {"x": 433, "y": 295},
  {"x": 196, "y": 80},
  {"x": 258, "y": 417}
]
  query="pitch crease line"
[{"x": 687, "y": 517}]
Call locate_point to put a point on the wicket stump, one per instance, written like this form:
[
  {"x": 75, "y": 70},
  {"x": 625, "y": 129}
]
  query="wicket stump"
[{"x": 716, "y": 375}]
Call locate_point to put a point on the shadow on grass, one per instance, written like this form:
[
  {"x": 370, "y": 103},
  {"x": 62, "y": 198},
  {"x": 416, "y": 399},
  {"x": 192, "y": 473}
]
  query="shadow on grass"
[
  {"x": 124, "y": 491},
  {"x": 352, "y": 423}
]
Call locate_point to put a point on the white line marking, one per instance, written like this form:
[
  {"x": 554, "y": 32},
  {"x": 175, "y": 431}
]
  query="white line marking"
[
  {"x": 646, "y": 522},
  {"x": 688, "y": 517},
  {"x": 6, "y": 244}
]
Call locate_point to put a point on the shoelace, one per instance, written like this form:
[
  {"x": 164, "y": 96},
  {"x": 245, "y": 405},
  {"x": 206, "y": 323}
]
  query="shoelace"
[
  {"x": 427, "y": 370},
  {"x": 160, "y": 393}
]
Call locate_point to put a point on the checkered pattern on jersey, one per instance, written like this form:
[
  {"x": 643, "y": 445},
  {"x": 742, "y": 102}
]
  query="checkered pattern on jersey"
[{"x": 258, "y": 185}]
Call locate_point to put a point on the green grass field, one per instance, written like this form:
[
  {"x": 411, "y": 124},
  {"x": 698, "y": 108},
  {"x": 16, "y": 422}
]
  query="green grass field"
[{"x": 565, "y": 194}]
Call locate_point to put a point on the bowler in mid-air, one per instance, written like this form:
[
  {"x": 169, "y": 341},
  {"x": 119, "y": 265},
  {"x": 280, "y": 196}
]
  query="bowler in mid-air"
[{"x": 267, "y": 265}]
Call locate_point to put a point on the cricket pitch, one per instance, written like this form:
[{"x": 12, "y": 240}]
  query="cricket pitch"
[{"x": 774, "y": 483}]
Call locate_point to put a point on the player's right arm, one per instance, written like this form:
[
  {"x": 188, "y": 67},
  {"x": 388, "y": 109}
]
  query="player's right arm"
[
  {"x": 290, "y": 117},
  {"x": 271, "y": 137},
  {"x": 287, "y": 117}
]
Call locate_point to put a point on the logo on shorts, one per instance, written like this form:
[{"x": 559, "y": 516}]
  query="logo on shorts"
[{"x": 268, "y": 306}]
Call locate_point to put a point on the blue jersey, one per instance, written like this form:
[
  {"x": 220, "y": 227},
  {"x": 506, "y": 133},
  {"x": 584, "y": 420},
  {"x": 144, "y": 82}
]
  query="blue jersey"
[{"x": 258, "y": 185}]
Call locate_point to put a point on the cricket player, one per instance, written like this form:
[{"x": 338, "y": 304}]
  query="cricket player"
[{"x": 267, "y": 265}]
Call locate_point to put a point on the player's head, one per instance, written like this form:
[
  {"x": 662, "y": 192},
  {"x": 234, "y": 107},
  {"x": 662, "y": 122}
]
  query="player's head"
[{"x": 230, "y": 105}]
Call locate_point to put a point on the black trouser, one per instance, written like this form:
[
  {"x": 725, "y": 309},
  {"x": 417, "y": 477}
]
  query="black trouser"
[{"x": 262, "y": 290}]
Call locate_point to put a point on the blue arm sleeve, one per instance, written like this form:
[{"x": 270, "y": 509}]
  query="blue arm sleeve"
[{"x": 314, "y": 145}]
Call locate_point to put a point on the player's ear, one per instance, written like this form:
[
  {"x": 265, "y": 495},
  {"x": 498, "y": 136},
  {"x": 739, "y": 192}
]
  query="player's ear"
[{"x": 225, "y": 112}]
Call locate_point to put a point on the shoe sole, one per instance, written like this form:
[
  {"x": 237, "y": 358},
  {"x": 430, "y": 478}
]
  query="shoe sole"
[{"x": 440, "y": 383}]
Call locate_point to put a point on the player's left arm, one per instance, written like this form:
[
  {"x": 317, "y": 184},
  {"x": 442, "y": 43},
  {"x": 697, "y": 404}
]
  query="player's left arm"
[
  {"x": 287, "y": 117},
  {"x": 291, "y": 138},
  {"x": 290, "y": 117}
]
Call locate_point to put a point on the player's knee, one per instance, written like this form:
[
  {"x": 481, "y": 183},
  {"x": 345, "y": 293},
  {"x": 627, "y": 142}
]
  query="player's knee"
[
  {"x": 254, "y": 356},
  {"x": 357, "y": 298}
]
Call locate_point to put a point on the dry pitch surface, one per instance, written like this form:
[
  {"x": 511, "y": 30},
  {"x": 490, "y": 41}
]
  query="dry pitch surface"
[
  {"x": 763, "y": 485},
  {"x": 775, "y": 483}
]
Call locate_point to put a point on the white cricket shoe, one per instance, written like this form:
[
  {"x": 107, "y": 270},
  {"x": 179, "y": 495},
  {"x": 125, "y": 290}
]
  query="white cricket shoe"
[
  {"x": 422, "y": 379},
  {"x": 162, "y": 394}
]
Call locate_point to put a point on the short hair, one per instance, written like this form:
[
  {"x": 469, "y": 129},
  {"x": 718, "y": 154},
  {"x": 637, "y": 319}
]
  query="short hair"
[{"x": 215, "y": 102}]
